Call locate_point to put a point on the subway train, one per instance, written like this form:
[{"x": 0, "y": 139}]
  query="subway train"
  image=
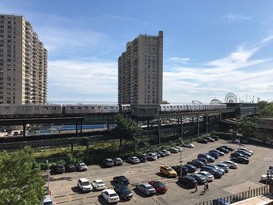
[{"x": 7, "y": 110}]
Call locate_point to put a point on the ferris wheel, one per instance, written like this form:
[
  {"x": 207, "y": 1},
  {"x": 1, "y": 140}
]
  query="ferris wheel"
[{"x": 230, "y": 98}]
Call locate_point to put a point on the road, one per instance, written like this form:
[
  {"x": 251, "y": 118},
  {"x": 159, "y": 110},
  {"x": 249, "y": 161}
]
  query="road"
[{"x": 64, "y": 186}]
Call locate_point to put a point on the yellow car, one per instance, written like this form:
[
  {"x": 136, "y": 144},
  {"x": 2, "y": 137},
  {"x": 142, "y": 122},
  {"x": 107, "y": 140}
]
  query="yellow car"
[{"x": 168, "y": 171}]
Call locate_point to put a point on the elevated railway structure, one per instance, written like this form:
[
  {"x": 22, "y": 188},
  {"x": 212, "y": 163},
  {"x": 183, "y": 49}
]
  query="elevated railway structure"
[{"x": 156, "y": 123}]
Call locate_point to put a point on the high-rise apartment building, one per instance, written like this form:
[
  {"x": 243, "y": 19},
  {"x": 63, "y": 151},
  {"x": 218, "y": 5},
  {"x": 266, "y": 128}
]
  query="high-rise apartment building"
[
  {"x": 140, "y": 71},
  {"x": 23, "y": 63}
]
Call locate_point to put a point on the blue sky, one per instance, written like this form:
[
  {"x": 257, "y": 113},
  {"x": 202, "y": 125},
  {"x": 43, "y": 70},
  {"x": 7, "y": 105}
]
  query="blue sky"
[{"x": 211, "y": 47}]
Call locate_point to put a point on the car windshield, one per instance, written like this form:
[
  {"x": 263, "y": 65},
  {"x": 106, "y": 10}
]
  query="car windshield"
[
  {"x": 160, "y": 184},
  {"x": 48, "y": 203},
  {"x": 82, "y": 164},
  {"x": 169, "y": 169},
  {"x": 100, "y": 183},
  {"x": 85, "y": 183},
  {"x": 113, "y": 195}
]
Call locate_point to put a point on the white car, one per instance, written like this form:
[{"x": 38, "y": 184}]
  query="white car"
[
  {"x": 110, "y": 196},
  {"x": 231, "y": 164},
  {"x": 98, "y": 184},
  {"x": 208, "y": 175},
  {"x": 84, "y": 185},
  {"x": 151, "y": 156},
  {"x": 81, "y": 166},
  {"x": 245, "y": 149},
  {"x": 189, "y": 145},
  {"x": 47, "y": 200}
]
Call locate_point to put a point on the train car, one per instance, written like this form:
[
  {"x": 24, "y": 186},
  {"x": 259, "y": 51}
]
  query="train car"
[
  {"x": 30, "y": 110},
  {"x": 90, "y": 108},
  {"x": 125, "y": 108}
]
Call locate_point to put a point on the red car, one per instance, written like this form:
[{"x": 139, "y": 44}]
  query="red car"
[{"x": 159, "y": 186}]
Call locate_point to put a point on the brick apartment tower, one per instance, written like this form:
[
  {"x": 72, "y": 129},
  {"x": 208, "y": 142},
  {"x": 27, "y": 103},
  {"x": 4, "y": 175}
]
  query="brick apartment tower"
[
  {"x": 23, "y": 63},
  {"x": 140, "y": 71}
]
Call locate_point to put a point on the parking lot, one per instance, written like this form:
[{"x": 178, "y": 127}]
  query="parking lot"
[{"x": 65, "y": 191}]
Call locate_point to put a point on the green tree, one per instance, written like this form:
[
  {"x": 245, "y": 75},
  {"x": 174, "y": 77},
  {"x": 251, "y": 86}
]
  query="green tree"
[
  {"x": 267, "y": 110},
  {"x": 20, "y": 180},
  {"x": 248, "y": 125},
  {"x": 127, "y": 129}
]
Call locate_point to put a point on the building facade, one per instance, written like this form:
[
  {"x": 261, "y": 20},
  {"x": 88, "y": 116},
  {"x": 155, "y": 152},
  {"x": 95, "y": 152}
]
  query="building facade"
[
  {"x": 140, "y": 71},
  {"x": 23, "y": 63}
]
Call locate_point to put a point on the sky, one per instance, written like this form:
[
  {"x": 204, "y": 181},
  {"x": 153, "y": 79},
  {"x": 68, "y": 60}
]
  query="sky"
[{"x": 211, "y": 47}]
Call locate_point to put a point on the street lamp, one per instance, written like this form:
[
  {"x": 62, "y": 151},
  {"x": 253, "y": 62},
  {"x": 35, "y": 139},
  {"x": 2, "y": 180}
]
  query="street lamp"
[
  {"x": 47, "y": 177},
  {"x": 180, "y": 161}
]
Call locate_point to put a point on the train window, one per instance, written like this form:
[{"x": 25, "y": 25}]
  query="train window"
[
  {"x": 86, "y": 107},
  {"x": 27, "y": 108},
  {"x": 71, "y": 108},
  {"x": 45, "y": 108},
  {"x": 99, "y": 107},
  {"x": 36, "y": 108},
  {"x": 79, "y": 108},
  {"x": 105, "y": 108},
  {"x": 93, "y": 108}
]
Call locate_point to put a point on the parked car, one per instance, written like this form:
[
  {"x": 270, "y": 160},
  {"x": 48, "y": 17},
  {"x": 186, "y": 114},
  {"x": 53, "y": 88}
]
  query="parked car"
[
  {"x": 209, "y": 139},
  {"x": 123, "y": 191},
  {"x": 108, "y": 162},
  {"x": 47, "y": 200},
  {"x": 245, "y": 149},
  {"x": 70, "y": 168},
  {"x": 142, "y": 158},
  {"x": 218, "y": 151},
  {"x": 121, "y": 179},
  {"x": 98, "y": 184},
  {"x": 242, "y": 160},
  {"x": 173, "y": 150},
  {"x": 133, "y": 160},
  {"x": 159, "y": 186},
  {"x": 151, "y": 156},
  {"x": 221, "y": 149},
  {"x": 179, "y": 148},
  {"x": 84, "y": 185},
  {"x": 81, "y": 166},
  {"x": 216, "y": 173},
  {"x": 237, "y": 154},
  {"x": 146, "y": 188},
  {"x": 227, "y": 147},
  {"x": 118, "y": 161},
  {"x": 167, "y": 152},
  {"x": 110, "y": 196},
  {"x": 203, "y": 160},
  {"x": 191, "y": 168},
  {"x": 215, "y": 137},
  {"x": 223, "y": 166},
  {"x": 207, "y": 157},
  {"x": 188, "y": 181},
  {"x": 181, "y": 168},
  {"x": 197, "y": 163},
  {"x": 168, "y": 171},
  {"x": 217, "y": 168},
  {"x": 161, "y": 154},
  {"x": 215, "y": 155},
  {"x": 59, "y": 169},
  {"x": 231, "y": 164},
  {"x": 188, "y": 145},
  {"x": 201, "y": 179},
  {"x": 208, "y": 175},
  {"x": 203, "y": 141},
  {"x": 246, "y": 153}
]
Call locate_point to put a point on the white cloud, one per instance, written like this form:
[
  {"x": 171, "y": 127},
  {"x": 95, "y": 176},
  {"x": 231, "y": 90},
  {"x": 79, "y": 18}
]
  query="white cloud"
[
  {"x": 234, "y": 73},
  {"x": 179, "y": 60},
  {"x": 236, "y": 18}
]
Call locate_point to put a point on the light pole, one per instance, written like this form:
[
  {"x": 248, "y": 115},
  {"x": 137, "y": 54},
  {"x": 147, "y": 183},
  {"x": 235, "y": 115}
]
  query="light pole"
[
  {"x": 47, "y": 177},
  {"x": 180, "y": 162}
]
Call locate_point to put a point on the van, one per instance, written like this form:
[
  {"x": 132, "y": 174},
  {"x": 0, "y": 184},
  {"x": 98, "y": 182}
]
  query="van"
[{"x": 207, "y": 157}]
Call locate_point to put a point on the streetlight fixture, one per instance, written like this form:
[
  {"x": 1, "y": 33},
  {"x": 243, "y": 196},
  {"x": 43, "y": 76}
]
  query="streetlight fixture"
[{"x": 47, "y": 177}]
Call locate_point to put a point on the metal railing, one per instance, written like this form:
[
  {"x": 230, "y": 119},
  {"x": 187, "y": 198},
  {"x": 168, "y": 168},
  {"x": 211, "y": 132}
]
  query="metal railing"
[{"x": 239, "y": 197}]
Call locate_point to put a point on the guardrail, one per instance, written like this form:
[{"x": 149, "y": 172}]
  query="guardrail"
[{"x": 239, "y": 197}]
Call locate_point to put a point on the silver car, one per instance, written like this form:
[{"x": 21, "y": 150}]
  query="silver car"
[{"x": 146, "y": 188}]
